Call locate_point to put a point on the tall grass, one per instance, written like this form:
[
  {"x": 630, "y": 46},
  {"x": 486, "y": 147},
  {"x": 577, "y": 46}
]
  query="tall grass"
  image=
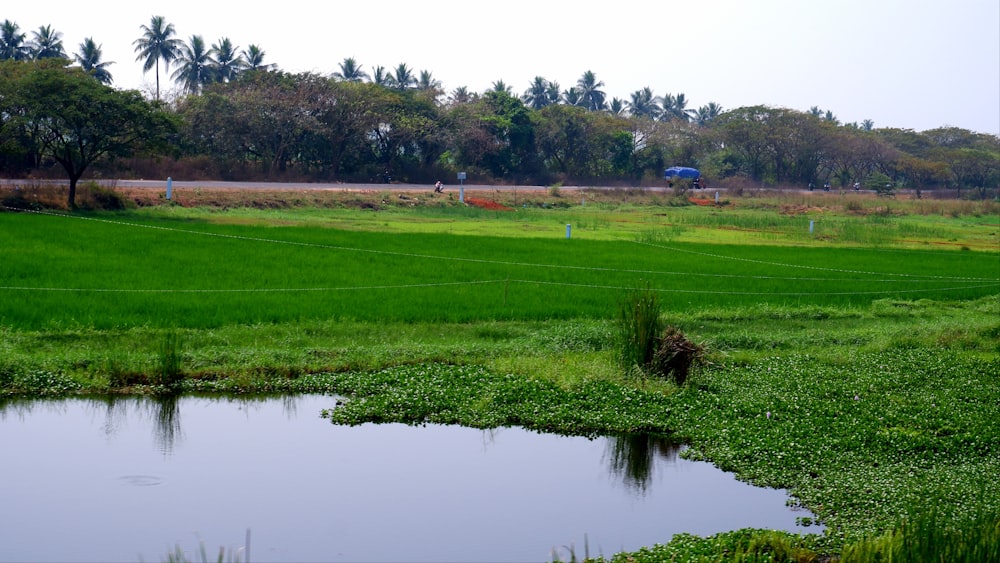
[
  {"x": 639, "y": 328},
  {"x": 168, "y": 369},
  {"x": 931, "y": 536}
]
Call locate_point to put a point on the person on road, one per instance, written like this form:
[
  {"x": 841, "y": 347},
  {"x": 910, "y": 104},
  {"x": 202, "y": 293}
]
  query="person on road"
[{"x": 439, "y": 187}]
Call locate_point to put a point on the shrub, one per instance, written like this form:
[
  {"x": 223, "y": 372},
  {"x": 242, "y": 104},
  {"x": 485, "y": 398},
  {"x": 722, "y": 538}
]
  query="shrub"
[{"x": 674, "y": 355}]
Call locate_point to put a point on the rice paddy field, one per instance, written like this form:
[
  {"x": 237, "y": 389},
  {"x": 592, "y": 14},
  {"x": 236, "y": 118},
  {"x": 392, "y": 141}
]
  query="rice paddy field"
[{"x": 852, "y": 344}]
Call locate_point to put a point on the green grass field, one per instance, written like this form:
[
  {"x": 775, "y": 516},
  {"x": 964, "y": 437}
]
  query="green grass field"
[{"x": 857, "y": 365}]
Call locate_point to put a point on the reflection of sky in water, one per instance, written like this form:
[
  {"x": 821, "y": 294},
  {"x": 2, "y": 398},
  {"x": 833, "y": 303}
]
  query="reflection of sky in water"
[{"x": 118, "y": 481}]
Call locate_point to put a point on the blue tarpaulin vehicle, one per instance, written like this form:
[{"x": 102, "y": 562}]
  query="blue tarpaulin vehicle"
[{"x": 681, "y": 172}]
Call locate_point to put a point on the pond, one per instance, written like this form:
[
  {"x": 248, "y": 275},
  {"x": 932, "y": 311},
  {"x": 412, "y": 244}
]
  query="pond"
[{"x": 126, "y": 479}]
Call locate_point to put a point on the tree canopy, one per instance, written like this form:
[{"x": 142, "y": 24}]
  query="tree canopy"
[{"x": 62, "y": 113}]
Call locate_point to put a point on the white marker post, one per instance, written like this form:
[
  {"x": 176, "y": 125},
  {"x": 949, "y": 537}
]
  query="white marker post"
[
  {"x": 170, "y": 187},
  {"x": 461, "y": 187}
]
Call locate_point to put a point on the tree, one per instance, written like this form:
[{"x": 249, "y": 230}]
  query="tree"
[
  {"x": 157, "y": 44},
  {"x": 461, "y": 95},
  {"x": 253, "y": 57},
  {"x": 707, "y": 113},
  {"x": 12, "y": 42},
  {"x": 381, "y": 77},
  {"x": 226, "y": 63},
  {"x": 500, "y": 86},
  {"x": 591, "y": 96},
  {"x": 402, "y": 77},
  {"x": 643, "y": 104},
  {"x": 572, "y": 97},
  {"x": 75, "y": 120},
  {"x": 89, "y": 59},
  {"x": 675, "y": 108},
  {"x": 539, "y": 94},
  {"x": 350, "y": 71},
  {"x": 195, "y": 66},
  {"x": 427, "y": 83},
  {"x": 46, "y": 43}
]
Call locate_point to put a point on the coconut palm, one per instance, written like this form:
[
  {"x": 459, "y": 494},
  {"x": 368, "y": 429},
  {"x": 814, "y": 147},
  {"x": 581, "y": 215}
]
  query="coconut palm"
[
  {"x": 591, "y": 96},
  {"x": 675, "y": 108},
  {"x": 350, "y": 71},
  {"x": 253, "y": 58},
  {"x": 195, "y": 66},
  {"x": 707, "y": 113},
  {"x": 617, "y": 106},
  {"x": 89, "y": 59},
  {"x": 402, "y": 77},
  {"x": 426, "y": 82},
  {"x": 46, "y": 43},
  {"x": 381, "y": 77},
  {"x": 227, "y": 63},
  {"x": 157, "y": 44},
  {"x": 642, "y": 103},
  {"x": 572, "y": 97},
  {"x": 537, "y": 95},
  {"x": 500, "y": 86},
  {"x": 12, "y": 42},
  {"x": 461, "y": 95}
]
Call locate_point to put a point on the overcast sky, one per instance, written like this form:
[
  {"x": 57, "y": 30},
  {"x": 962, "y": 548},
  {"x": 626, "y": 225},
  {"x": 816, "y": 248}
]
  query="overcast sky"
[{"x": 915, "y": 64}]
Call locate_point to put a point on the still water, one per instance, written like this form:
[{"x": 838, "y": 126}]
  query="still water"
[{"x": 131, "y": 479}]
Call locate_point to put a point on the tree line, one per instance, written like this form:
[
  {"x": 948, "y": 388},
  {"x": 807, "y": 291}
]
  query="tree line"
[{"x": 240, "y": 118}]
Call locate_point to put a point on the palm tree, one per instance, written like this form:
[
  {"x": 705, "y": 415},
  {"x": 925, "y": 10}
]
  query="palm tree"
[
  {"x": 194, "y": 65},
  {"x": 828, "y": 116},
  {"x": 537, "y": 95},
  {"x": 553, "y": 92},
  {"x": 461, "y": 95},
  {"x": 643, "y": 103},
  {"x": 227, "y": 63},
  {"x": 426, "y": 82},
  {"x": 500, "y": 86},
  {"x": 591, "y": 97},
  {"x": 89, "y": 59},
  {"x": 253, "y": 57},
  {"x": 707, "y": 113},
  {"x": 46, "y": 43},
  {"x": 868, "y": 125},
  {"x": 157, "y": 44},
  {"x": 617, "y": 106},
  {"x": 350, "y": 71},
  {"x": 675, "y": 107},
  {"x": 12, "y": 44},
  {"x": 381, "y": 77},
  {"x": 572, "y": 97},
  {"x": 402, "y": 77}
]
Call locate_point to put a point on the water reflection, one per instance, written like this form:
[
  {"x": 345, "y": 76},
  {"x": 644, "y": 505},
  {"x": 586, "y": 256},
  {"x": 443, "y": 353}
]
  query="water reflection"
[
  {"x": 632, "y": 457},
  {"x": 116, "y": 478}
]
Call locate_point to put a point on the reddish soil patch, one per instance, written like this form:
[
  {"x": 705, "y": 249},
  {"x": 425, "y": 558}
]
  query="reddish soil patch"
[
  {"x": 700, "y": 201},
  {"x": 487, "y": 204}
]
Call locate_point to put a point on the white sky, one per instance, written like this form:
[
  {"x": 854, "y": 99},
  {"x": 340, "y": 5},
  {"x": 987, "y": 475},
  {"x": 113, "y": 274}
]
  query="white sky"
[{"x": 916, "y": 64}]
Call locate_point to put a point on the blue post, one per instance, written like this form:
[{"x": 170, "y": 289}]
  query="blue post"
[
  {"x": 568, "y": 228},
  {"x": 170, "y": 186}
]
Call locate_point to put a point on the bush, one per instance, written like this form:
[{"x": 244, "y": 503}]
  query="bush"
[{"x": 674, "y": 355}]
